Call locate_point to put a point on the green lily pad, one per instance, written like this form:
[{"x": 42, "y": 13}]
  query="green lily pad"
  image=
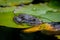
[
  {"x": 43, "y": 12},
  {"x": 6, "y": 18},
  {"x": 13, "y": 2}
]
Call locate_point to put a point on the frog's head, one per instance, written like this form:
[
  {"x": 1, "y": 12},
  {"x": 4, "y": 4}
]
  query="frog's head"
[{"x": 28, "y": 19}]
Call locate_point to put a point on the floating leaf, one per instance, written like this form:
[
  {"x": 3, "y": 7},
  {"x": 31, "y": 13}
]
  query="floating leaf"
[
  {"x": 42, "y": 11},
  {"x": 13, "y": 2}
]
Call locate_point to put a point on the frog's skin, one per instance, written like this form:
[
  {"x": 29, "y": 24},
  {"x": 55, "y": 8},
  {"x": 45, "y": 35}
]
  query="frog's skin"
[{"x": 28, "y": 19}]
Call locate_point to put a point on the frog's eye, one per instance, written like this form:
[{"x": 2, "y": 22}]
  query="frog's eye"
[{"x": 34, "y": 20}]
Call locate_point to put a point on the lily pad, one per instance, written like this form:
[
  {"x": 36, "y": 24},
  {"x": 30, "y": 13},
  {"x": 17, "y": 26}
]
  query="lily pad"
[
  {"x": 42, "y": 11},
  {"x": 13, "y": 2}
]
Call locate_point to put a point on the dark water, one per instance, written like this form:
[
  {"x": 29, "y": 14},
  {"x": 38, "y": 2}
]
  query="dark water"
[{"x": 16, "y": 34}]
